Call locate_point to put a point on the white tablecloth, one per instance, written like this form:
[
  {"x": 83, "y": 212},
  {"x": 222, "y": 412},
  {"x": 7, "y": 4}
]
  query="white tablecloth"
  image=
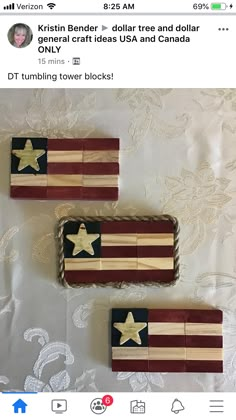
[{"x": 178, "y": 156}]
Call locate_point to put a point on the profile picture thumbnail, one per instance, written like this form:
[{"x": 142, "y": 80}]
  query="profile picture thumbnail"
[{"x": 20, "y": 35}]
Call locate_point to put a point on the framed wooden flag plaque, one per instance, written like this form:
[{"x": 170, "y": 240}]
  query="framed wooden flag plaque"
[
  {"x": 167, "y": 340},
  {"x": 118, "y": 251}
]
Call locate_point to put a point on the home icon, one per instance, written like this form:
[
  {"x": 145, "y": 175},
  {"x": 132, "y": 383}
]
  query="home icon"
[{"x": 19, "y": 406}]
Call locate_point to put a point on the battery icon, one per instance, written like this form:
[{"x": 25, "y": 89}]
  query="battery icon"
[{"x": 218, "y": 6}]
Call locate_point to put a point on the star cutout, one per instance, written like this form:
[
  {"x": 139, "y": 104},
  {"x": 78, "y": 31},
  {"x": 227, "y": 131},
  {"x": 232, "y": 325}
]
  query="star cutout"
[
  {"x": 83, "y": 241},
  {"x": 130, "y": 329},
  {"x": 28, "y": 156}
]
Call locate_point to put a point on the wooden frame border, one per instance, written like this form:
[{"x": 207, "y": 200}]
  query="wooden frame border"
[{"x": 64, "y": 220}]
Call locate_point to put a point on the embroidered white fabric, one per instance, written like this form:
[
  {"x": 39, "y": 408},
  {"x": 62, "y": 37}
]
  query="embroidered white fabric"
[{"x": 177, "y": 157}]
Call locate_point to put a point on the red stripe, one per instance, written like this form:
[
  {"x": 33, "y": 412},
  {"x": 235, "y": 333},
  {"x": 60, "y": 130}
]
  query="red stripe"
[
  {"x": 155, "y": 251},
  {"x": 83, "y": 168},
  {"x": 204, "y": 341},
  {"x": 65, "y": 144},
  {"x": 166, "y": 315},
  {"x": 64, "y": 193},
  {"x": 95, "y": 168},
  {"x": 161, "y": 226},
  {"x": 101, "y": 144},
  {"x": 100, "y": 193},
  {"x": 34, "y": 193},
  {"x": 118, "y": 251},
  {"x": 167, "y": 366},
  {"x": 129, "y": 276},
  {"x": 130, "y": 365},
  {"x": 133, "y": 251},
  {"x": 65, "y": 168},
  {"x": 205, "y": 316},
  {"x": 166, "y": 341},
  {"x": 209, "y": 366},
  {"x": 200, "y": 341}
]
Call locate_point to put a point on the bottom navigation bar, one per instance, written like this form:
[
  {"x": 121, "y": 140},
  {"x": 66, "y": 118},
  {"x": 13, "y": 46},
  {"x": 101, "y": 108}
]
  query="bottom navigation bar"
[{"x": 114, "y": 405}]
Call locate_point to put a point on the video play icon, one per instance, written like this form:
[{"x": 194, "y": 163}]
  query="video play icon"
[{"x": 59, "y": 406}]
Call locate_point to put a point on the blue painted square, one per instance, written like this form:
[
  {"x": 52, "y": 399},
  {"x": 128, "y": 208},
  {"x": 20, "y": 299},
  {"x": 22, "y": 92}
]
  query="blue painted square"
[
  {"x": 73, "y": 228},
  {"x": 18, "y": 143},
  {"x": 120, "y": 315}
]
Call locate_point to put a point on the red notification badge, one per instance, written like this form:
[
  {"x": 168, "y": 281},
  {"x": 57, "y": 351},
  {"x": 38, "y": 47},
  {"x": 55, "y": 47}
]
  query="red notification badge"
[{"x": 107, "y": 400}]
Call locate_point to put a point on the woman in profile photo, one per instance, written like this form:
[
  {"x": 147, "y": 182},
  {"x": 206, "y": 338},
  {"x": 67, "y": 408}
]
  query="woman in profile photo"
[{"x": 20, "y": 35}]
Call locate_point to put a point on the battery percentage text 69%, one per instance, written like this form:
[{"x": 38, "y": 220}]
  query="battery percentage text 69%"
[{"x": 201, "y": 6}]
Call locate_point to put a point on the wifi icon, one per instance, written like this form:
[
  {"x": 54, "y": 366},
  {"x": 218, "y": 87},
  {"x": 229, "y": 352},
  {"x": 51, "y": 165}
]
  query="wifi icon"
[{"x": 51, "y": 5}]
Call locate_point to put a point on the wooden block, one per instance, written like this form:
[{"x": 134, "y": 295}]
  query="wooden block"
[
  {"x": 120, "y": 227},
  {"x": 203, "y": 329},
  {"x": 118, "y": 263},
  {"x": 100, "y": 156},
  {"x": 31, "y": 193},
  {"x": 118, "y": 240},
  {"x": 166, "y": 328},
  {"x": 155, "y": 263},
  {"x": 193, "y": 353},
  {"x": 101, "y": 144},
  {"x": 130, "y": 365},
  {"x": 167, "y": 340},
  {"x": 167, "y": 366},
  {"x": 160, "y": 226},
  {"x": 97, "y": 168},
  {"x": 144, "y": 228},
  {"x": 72, "y": 227},
  {"x": 77, "y": 264},
  {"x": 155, "y": 251},
  {"x": 100, "y": 180},
  {"x": 37, "y": 142},
  {"x": 154, "y": 276},
  {"x": 65, "y": 156},
  {"x": 65, "y": 144},
  {"x": 119, "y": 276},
  {"x": 204, "y": 341},
  {"x": 155, "y": 239},
  {"x": 167, "y": 353},
  {"x": 65, "y": 180},
  {"x": 209, "y": 366},
  {"x": 99, "y": 277},
  {"x": 204, "y": 316},
  {"x": 29, "y": 180},
  {"x": 100, "y": 193},
  {"x": 167, "y": 315},
  {"x": 118, "y": 252},
  {"x": 64, "y": 193},
  {"x": 129, "y": 353},
  {"x": 72, "y": 168}
]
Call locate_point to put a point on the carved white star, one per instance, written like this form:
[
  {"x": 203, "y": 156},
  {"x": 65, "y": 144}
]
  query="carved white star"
[
  {"x": 83, "y": 240},
  {"x": 28, "y": 156},
  {"x": 130, "y": 329}
]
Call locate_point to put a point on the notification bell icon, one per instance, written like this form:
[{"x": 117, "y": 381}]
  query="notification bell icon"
[{"x": 177, "y": 406}]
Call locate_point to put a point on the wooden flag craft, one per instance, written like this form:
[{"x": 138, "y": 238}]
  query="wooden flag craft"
[
  {"x": 65, "y": 169},
  {"x": 167, "y": 340},
  {"x": 98, "y": 251}
]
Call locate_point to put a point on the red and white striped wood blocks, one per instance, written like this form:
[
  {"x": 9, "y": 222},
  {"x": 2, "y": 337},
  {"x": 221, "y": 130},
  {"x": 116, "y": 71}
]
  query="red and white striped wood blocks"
[
  {"x": 167, "y": 340},
  {"x": 65, "y": 169}
]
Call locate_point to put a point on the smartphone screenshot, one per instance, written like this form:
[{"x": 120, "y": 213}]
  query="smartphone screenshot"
[{"x": 117, "y": 209}]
